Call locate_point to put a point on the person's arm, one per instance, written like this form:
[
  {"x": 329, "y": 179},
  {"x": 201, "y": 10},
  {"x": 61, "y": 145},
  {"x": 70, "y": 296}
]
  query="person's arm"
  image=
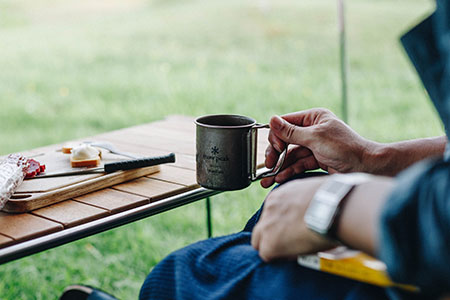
[
  {"x": 321, "y": 140},
  {"x": 282, "y": 233},
  {"x": 406, "y": 223},
  {"x": 390, "y": 159},
  {"x": 358, "y": 224}
]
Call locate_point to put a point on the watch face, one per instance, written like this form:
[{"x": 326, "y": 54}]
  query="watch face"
[
  {"x": 322, "y": 210},
  {"x": 320, "y": 215},
  {"x": 324, "y": 206},
  {"x": 334, "y": 187}
]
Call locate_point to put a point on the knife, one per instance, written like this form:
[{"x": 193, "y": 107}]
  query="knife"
[{"x": 115, "y": 166}]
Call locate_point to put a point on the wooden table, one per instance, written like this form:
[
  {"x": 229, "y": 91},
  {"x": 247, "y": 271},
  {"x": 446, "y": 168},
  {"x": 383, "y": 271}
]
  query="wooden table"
[{"x": 175, "y": 185}]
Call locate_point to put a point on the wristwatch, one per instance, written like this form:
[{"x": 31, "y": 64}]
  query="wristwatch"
[{"x": 323, "y": 209}]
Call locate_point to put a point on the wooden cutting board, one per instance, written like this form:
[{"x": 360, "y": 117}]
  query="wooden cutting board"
[{"x": 40, "y": 192}]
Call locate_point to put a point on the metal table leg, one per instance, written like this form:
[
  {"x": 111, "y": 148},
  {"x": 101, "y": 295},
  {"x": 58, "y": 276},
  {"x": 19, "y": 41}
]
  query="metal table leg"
[{"x": 208, "y": 217}]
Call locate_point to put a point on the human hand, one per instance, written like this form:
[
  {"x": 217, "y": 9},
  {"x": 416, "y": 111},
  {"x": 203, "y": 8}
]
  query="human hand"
[
  {"x": 281, "y": 231},
  {"x": 320, "y": 140}
]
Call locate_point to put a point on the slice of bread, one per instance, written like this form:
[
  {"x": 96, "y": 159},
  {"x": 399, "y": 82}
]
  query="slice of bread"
[
  {"x": 85, "y": 156},
  {"x": 67, "y": 148},
  {"x": 91, "y": 162}
]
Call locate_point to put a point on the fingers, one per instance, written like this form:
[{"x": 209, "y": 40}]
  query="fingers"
[
  {"x": 256, "y": 235},
  {"x": 271, "y": 157},
  {"x": 277, "y": 144},
  {"x": 308, "y": 117},
  {"x": 298, "y": 160},
  {"x": 271, "y": 160},
  {"x": 292, "y": 129},
  {"x": 259, "y": 233},
  {"x": 300, "y": 166},
  {"x": 282, "y": 132},
  {"x": 259, "y": 245},
  {"x": 267, "y": 182}
]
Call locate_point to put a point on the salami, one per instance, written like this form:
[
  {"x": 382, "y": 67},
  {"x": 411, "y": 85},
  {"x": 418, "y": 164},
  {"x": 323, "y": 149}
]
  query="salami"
[
  {"x": 33, "y": 168},
  {"x": 12, "y": 173}
]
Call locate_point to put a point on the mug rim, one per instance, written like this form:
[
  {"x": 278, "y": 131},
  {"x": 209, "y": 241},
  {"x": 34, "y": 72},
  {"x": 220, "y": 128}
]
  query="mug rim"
[{"x": 199, "y": 123}]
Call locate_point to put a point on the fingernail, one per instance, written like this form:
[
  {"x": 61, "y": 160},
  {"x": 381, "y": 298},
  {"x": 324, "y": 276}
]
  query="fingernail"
[
  {"x": 277, "y": 147},
  {"x": 276, "y": 123}
]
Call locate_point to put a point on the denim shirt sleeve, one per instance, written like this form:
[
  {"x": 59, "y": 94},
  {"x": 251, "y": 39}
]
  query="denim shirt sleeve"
[
  {"x": 428, "y": 47},
  {"x": 415, "y": 228},
  {"x": 415, "y": 222}
]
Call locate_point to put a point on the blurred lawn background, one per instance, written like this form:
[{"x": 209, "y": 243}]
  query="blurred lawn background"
[{"x": 70, "y": 69}]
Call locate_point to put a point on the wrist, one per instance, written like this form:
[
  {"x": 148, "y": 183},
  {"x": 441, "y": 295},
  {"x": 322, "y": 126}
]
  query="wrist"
[
  {"x": 379, "y": 159},
  {"x": 358, "y": 223},
  {"x": 390, "y": 159},
  {"x": 324, "y": 209}
]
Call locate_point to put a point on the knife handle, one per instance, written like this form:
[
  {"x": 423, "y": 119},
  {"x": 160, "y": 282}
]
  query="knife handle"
[{"x": 139, "y": 163}]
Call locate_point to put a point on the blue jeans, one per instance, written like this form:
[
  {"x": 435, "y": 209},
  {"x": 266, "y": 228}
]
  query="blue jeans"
[{"x": 229, "y": 267}]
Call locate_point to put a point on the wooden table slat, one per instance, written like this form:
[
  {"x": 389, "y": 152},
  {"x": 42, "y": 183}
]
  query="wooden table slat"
[
  {"x": 151, "y": 188},
  {"x": 5, "y": 241},
  {"x": 26, "y": 226},
  {"x": 113, "y": 200},
  {"x": 176, "y": 175},
  {"x": 71, "y": 213}
]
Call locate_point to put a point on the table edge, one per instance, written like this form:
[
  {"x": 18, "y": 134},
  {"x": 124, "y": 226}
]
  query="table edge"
[{"x": 65, "y": 236}]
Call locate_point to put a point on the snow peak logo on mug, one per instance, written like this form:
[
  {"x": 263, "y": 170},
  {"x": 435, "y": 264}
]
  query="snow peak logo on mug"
[
  {"x": 226, "y": 152},
  {"x": 215, "y": 155},
  {"x": 215, "y": 167}
]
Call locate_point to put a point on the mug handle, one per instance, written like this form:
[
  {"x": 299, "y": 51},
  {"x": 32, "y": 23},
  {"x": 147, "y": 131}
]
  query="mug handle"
[{"x": 275, "y": 170}]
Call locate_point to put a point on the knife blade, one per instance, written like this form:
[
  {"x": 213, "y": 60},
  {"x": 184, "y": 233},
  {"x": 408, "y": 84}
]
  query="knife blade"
[{"x": 115, "y": 166}]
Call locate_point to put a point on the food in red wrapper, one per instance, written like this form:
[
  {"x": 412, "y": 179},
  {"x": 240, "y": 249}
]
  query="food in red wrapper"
[{"x": 13, "y": 170}]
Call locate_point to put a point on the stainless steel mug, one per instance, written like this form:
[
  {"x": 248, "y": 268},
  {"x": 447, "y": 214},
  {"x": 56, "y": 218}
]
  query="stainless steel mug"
[{"x": 226, "y": 152}]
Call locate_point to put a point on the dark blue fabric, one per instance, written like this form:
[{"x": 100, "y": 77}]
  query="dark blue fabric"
[
  {"x": 229, "y": 268},
  {"x": 415, "y": 233},
  {"x": 428, "y": 47}
]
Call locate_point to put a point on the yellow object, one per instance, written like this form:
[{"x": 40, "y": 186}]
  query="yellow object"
[{"x": 352, "y": 264}]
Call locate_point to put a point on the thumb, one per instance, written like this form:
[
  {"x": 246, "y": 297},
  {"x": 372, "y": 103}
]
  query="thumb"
[{"x": 289, "y": 133}]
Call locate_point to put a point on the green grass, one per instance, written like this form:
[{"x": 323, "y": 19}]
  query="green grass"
[{"x": 70, "y": 70}]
